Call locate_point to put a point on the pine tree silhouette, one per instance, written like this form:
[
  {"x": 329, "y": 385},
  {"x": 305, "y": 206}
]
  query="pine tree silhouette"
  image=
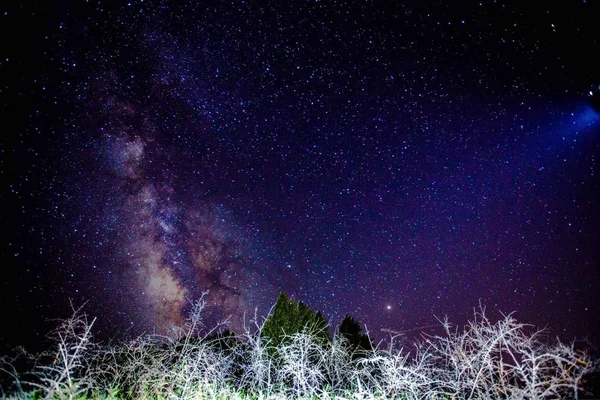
[
  {"x": 289, "y": 317},
  {"x": 351, "y": 330}
]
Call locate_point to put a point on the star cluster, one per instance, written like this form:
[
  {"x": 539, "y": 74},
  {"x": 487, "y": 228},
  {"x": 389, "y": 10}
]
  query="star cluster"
[{"x": 393, "y": 161}]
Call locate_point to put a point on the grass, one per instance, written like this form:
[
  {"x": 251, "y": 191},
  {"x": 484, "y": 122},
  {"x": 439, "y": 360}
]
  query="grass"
[{"x": 504, "y": 359}]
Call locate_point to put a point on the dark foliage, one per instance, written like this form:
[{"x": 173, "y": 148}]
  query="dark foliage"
[
  {"x": 359, "y": 343},
  {"x": 289, "y": 317}
]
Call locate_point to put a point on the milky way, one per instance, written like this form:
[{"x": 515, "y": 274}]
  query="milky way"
[
  {"x": 394, "y": 161},
  {"x": 168, "y": 246}
]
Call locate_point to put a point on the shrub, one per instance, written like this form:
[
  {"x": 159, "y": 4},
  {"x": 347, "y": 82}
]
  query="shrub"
[{"x": 485, "y": 359}]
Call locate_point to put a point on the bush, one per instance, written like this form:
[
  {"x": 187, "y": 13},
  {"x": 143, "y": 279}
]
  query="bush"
[{"x": 485, "y": 359}]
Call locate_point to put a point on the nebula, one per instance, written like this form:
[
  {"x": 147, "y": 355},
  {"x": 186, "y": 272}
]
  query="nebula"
[{"x": 171, "y": 247}]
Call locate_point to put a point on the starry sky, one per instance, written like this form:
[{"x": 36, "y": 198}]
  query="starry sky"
[{"x": 394, "y": 160}]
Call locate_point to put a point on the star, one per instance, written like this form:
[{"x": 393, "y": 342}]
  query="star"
[{"x": 329, "y": 152}]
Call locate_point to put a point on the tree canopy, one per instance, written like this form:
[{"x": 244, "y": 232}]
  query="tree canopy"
[
  {"x": 290, "y": 316},
  {"x": 351, "y": 330}
]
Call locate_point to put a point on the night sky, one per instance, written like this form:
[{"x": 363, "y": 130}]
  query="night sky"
[{"x": 393, "y": 161}]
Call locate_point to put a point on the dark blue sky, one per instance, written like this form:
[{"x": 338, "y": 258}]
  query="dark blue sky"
[{"x": 396, "y": 162}]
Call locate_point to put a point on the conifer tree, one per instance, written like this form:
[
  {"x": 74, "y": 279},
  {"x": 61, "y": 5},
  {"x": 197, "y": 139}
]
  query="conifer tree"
[
  {"x": 351, "y": 330},
  {"x": 289, "y": 317}
]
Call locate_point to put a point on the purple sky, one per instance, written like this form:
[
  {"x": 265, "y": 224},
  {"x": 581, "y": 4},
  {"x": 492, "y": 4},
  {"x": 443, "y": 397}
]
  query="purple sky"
[{"x": 395, "y": 162}]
